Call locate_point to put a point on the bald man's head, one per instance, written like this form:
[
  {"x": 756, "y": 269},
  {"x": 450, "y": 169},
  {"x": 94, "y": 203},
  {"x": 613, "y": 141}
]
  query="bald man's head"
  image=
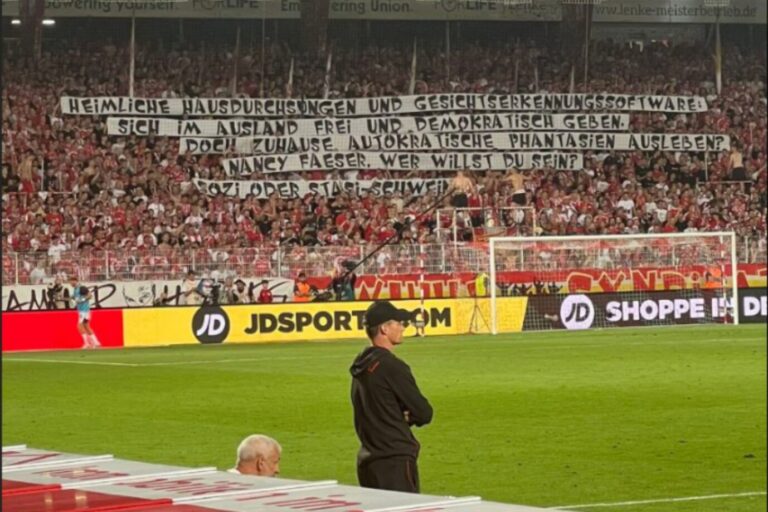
[{"x": 259, "y": 455}]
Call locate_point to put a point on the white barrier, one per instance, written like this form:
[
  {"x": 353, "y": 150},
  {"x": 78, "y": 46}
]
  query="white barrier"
[{"x": 121, "y": 483}]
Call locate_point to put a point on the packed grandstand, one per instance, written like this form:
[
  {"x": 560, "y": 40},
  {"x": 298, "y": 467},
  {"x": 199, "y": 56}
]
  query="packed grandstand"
[
  {"x": 218, "y": 179},
  {"x": 77, "y": 201}
]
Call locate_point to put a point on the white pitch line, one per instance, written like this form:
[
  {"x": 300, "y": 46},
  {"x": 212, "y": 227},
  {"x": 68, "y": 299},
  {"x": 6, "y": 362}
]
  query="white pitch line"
[
  {"x": 172, "y": 363},
  {"x": 64, "y": 361},
  {"x": 268, "y": 359},
  {"x": 662, "y": 500},
  {"x": 243, "y": 360},
  {"x": 474, "y": 350}
]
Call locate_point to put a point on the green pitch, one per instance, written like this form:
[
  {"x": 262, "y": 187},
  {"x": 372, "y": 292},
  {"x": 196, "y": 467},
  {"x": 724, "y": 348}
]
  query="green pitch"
[{"x": 542, "y": 419}]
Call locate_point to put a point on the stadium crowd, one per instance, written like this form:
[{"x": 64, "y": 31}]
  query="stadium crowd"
[{"x": 128, "y": 202}]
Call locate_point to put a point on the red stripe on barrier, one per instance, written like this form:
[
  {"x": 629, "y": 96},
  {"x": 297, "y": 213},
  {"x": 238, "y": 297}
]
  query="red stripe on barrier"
[
  {"x": 30, "y": 489},
  {"x": 13, "y": 484},
  {"x": 69, "y": 500},
  {"x": 143, "y": 505}
]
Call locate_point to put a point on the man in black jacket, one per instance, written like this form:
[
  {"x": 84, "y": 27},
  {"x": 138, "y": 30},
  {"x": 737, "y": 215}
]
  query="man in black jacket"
[{"x": 386, "y": 402}]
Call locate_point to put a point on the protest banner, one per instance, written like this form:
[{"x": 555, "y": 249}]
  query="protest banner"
[
  {"x": 296, "y": 189},
  {"x": 399, "y": 161},
  {"x": 514, "y": 141},
  {"x": 381, "y": 105},
  {"x": 444, "y": 123}
]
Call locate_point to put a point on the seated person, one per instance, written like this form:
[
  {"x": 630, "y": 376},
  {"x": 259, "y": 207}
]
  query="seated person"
[{"x": 258, "y": 455}]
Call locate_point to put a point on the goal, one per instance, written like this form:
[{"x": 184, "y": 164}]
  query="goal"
[
  {"x": 582, "y": 282},
  {"x": 479, "y": 224}
]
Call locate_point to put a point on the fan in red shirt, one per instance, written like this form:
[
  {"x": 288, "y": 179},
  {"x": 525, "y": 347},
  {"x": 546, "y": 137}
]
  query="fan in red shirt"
[{"x": 265, "y": 296}]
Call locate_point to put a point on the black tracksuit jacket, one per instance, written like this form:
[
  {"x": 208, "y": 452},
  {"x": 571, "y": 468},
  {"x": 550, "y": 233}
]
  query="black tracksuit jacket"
[{"x": 383, "y": 388}]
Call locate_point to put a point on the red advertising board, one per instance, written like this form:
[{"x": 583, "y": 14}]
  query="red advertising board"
[
  {"x": 56, "y": 330},
  {"x": 407, "y": 286}
]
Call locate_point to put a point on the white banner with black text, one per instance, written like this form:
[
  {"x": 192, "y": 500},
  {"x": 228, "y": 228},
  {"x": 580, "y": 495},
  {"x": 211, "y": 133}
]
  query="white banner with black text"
[
  {"x": 381, "y": 105},
  {"x": 122, "y": 294},
  {"x": 443, "y": 123},
  {"x": 297, "y": 189},
  {"x": 512, "y": 141},
  {"x": 395, "y": 161}
]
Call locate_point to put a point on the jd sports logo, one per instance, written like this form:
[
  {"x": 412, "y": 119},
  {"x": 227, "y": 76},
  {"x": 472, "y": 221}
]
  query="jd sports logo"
[
  {"x": 329, "y": 321},
  {"x": 210, "y": 325},
  {"x": 577, "y": 312}
]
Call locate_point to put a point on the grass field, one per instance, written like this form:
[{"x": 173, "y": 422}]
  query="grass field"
[{"x": 547, "y": 419}]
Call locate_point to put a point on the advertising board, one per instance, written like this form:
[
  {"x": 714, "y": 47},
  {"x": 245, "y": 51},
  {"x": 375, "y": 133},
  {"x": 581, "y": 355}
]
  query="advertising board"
[
  {"x": 57, "y": 330},
  {"x": 598, "y": 310},
  {"x": 305, "y": 322}
]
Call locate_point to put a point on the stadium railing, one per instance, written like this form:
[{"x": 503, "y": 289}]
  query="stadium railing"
[{"x": 267, "y": 260}]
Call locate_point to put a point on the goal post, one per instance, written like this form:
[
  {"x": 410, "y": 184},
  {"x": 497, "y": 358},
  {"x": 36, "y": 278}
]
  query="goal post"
[{"x": 582, "y": 282}]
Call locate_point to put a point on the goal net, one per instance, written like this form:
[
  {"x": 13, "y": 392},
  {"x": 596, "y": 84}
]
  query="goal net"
[
  {"x": 582, "y": 282},
  {"x": 479, "y": 224}
]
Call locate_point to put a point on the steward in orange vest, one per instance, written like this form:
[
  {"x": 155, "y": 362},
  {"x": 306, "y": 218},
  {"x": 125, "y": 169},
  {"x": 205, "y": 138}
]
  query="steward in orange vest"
[
  {"x": 713, "y": 279},
  {"x": 302, "y": 290}
]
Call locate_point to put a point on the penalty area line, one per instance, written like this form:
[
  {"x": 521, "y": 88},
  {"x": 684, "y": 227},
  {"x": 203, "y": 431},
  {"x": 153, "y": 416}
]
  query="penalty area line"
[{"x": 662, "y": 500}]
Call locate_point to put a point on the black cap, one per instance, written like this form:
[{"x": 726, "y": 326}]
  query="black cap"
[{"x": 383, "y": 311}]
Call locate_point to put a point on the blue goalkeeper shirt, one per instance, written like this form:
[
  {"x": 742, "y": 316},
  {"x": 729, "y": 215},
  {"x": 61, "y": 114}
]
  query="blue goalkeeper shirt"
[{"x": 82, "y": 303}]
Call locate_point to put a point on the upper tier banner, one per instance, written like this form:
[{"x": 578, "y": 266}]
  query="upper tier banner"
[
  {"x": 623, "y": 11},
  {"x": 445, "y": 123},
  {"x": 382, "y": 105}
]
